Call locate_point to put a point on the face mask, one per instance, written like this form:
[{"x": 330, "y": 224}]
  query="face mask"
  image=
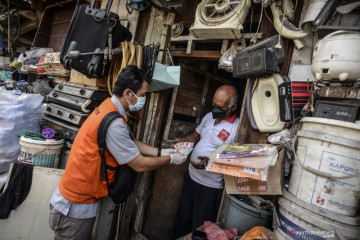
[
  {"x": 218, "y": 112},
  {"x": 138, "y": 105}
]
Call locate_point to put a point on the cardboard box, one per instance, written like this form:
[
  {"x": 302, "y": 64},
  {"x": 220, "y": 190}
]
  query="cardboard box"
[
  {"x": 5, "y": 60},
  {"x": 77, "y": 77},
  {"x": 249, "y": 186}
]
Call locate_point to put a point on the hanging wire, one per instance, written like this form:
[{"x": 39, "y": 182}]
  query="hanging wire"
[
  {"x": 254, "y": 39},
  {"x": 278, "y": 45},
  {"x": 251, "y": 19},
  {"x": 266, "y": 14}
]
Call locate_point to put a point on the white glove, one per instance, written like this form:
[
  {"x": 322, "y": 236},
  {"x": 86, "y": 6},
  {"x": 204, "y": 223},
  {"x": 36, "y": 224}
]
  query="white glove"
[
  {"x": 167, "y": 151},
  {"x": 177, "y": 158}
]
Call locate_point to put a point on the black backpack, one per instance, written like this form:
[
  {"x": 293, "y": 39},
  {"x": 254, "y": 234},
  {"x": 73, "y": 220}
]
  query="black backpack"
[{"x": 125, "y": 176}]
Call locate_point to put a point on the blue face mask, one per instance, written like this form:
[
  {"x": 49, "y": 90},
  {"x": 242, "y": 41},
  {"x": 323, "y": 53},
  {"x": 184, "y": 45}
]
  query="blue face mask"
[{"x": 138, "y": 105}]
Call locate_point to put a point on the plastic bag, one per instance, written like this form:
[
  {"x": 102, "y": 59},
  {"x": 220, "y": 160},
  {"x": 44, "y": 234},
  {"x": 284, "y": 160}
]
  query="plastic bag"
[
  {"x": 255, "y": 170},
  {"x": 258, "y": 156},
  {"x": 257, "y": 232},
  {"x": 34, "y": 55},
  {"x": 214, "y": 232},
  {"x": 18, "y": 114},
  {"x": 226, "y": 60},
  {"x": 283, "y": 137},
  {"x": 238, "y": 171}
]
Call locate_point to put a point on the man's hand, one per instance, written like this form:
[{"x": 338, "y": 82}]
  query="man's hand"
[
  {"x": 175, "y": 141},
  {"x": 201, "y": 164},
  {"x": 167, "y": 151},
  {"x": 177, "y": 158}
]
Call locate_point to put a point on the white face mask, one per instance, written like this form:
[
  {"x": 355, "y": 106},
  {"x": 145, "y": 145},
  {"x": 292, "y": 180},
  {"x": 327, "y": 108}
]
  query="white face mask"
[{"x": 138, "y": 105}]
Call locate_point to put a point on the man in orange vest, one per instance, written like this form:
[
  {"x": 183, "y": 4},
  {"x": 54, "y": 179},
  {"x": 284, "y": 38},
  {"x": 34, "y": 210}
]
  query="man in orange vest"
[{"x": 75, "y": 202}]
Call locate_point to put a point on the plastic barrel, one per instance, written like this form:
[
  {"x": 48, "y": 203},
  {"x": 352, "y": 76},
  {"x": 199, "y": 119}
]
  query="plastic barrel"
[
  {"x": 301, "y": 220},
  {"x": 327, "y": 167},
  {"x": 244, "y": 217},
  {"x": 40, "y": 153}
]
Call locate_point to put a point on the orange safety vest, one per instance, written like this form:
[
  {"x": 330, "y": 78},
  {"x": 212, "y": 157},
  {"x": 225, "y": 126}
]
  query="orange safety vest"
[{"x": 81, "y": 182}]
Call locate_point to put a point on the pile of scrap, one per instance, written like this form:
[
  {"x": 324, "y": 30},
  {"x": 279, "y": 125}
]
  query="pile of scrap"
[{"x": 53, "y": 67}]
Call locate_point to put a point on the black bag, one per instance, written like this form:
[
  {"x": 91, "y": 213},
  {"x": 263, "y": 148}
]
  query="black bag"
[
  {"x": 125, "y": 176},
  {"x": 17, "y": 190},
  {"x": 89, "y": 32}
]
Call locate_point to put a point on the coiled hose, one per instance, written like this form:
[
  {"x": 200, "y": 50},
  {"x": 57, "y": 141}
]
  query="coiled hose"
[{"x": 131, "y": 54}]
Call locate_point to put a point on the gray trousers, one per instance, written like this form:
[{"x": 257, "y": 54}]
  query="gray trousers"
[{"x": 70, "y": 228}]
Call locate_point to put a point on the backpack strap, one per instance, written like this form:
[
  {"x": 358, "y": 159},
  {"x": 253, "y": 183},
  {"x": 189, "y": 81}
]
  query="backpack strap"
[{"x": 101, "y": 139}]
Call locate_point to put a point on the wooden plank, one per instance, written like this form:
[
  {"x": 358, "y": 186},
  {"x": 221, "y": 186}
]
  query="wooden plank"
[
  {"x": 132, "y": 18},
  {"x": 142, "y": 199},
  {"x": 170, "y": 115},
  {"x": 198, "y": 54},
  {"x": 156, "y": 115},
  {"x": 28, "y": 27},
  {"x": 186, "y": 38},
  {"x": 152, "y": 138},
  {"x": 29, "y": 15},
  {"x": 124, "y": 229},
  {"x": 142, "y": 26},
  {"x": 145, "y": 178},
  {"x": 224, "y": 46},
  {"x": 240, "y": 136},
  {"x": 155, "y": 26},
  {"x": 157, "y": 130},
  {"x": 164, "y": 200}
]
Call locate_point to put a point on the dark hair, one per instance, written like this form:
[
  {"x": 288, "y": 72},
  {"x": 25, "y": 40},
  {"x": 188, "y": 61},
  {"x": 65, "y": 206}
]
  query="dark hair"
[{"x": 130, "y": 77}]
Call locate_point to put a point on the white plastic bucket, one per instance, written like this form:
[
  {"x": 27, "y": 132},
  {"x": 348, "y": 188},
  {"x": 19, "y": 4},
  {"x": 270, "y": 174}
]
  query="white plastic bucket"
[
  {"x": 40, "y": 153},
  {"x": 300, "y": 220},
  {"x": 327, "y": 167}
]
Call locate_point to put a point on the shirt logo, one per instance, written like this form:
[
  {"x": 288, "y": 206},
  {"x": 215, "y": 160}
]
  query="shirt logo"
[{"x": 223, "y": 135}]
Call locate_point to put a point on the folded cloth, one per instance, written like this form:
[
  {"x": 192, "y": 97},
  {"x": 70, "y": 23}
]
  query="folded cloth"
[{"x": 216, "y": 233}]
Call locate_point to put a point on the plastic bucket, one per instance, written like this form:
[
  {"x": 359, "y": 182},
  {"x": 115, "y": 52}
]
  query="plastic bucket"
[
  {"x": 327, "y": 166},
  {"x": 244, "y": 217},
  {"x": 40, "y": 153},
  {"x": 300, "y": 220}
]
